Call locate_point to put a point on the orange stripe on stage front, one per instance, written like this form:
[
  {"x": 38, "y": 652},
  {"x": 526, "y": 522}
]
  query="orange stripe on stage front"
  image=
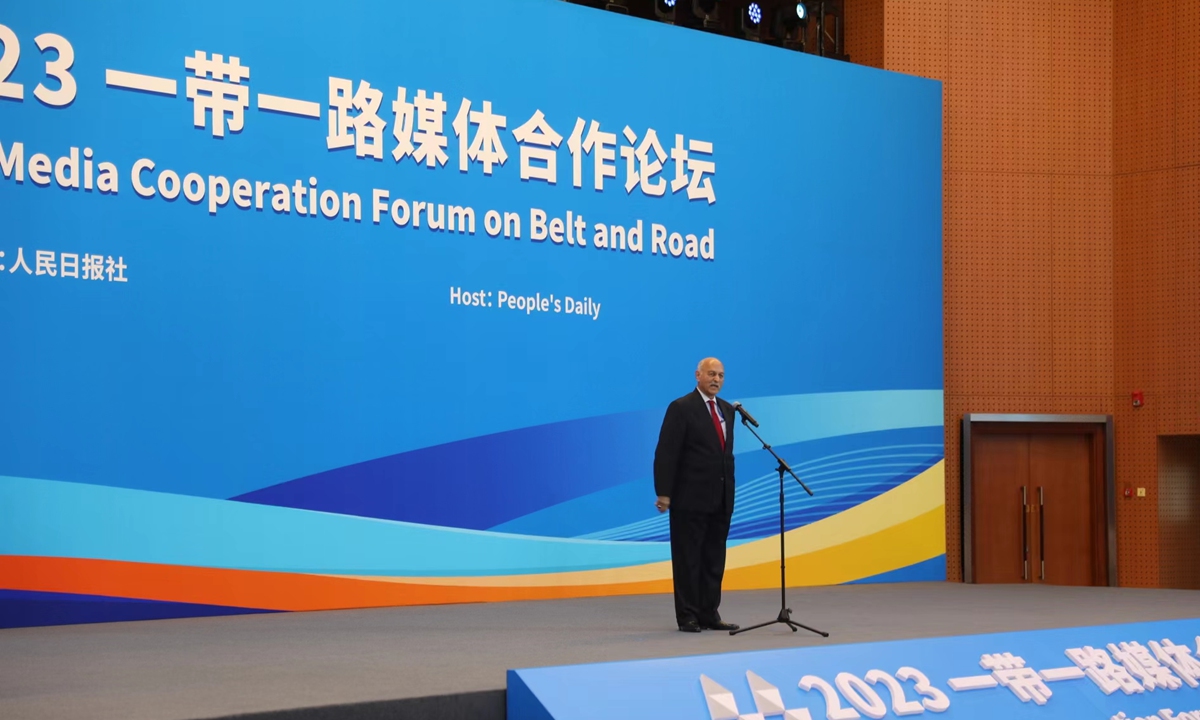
[{"x": 266, "y": 590}]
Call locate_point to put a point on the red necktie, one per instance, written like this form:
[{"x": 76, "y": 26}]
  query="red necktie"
[{"x": 712, "y": 408}]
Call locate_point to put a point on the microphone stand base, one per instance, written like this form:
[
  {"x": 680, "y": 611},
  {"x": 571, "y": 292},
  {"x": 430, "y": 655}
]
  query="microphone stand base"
[{"x": 785, "y": 618}]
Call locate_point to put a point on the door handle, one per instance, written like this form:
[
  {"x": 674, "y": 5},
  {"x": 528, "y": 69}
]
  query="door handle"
[
  {"x": 1024, "y": 534},
  {"x": 1042, "y": 530}
]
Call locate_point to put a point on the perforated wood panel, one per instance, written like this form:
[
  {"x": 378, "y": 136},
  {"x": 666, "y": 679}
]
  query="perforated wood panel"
[
  {"x": 1081, "y": 109},
  {"x": 1143, "y": 255},
  {"x": 1028, "y": 212},
  {"x": 917, "y": 37},
  {"x": 1187, "y": 83},
  {"x": 1185, "y": 336},
  {"x": 1144, "y": 91},
  {"x": 1082, "y": 287},
  {"x": 1072, "y": 224},
  {"x": 1156, "y": 264},
  {"x": 999, "y": 90},
  {"x": 864, "y": 36},
  {"x": 998, "y": 283},
  {"x": 1180, "y": 338}
]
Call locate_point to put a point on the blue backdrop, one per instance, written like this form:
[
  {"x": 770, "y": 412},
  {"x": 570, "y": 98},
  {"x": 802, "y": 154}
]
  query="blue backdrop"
[{"x": 219, "y": 345}]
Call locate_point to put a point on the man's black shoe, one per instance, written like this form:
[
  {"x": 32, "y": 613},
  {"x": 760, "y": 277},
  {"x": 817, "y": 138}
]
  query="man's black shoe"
[
  {"x": 720, "y": 625},
  {"x": 689, "y": 626}
]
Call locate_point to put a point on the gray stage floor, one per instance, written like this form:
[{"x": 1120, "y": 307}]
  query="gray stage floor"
[{"x": 213, "y": 667}]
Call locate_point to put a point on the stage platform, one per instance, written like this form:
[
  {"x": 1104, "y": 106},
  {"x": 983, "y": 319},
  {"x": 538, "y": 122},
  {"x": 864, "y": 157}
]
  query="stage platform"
[{"x": 450, "y": 661}]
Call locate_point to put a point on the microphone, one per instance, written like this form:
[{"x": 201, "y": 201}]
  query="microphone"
[{"x": 750, "y": 419}]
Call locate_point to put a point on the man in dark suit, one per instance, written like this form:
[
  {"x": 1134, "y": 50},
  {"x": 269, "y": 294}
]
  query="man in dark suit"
[{"x": 693, "y": 477}]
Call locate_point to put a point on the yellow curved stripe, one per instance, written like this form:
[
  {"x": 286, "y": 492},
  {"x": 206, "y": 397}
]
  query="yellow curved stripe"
[
  {"x": 901, "y": 527},
  {"x": 916, "y": 497},
  {"x": 910, "y": 542}
]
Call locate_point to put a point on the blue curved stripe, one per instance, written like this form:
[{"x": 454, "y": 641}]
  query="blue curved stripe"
[
  {"x": 624, "y": 505},
  {"x": 631, "y": 502},
  {"x": 800, "y": 418},
  {"x": 57, "y": 519},
  {"x": 481, "y": 482},
  {"x": 877, "y": 454},
  {"x": 842, "y": 486},
  {"x": 760, "y": 518},
  {"x": 624, "y": 512},
  {"x": 488, "y": 481},
  {"x": 20, "y": 608}
]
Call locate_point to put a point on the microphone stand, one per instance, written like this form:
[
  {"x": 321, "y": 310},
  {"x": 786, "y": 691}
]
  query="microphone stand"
[{"x": 785, "y": 613}]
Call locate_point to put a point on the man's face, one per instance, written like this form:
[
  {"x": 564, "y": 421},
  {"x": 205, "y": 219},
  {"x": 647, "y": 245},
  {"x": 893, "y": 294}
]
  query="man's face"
[{"x": 710, "y": 377}]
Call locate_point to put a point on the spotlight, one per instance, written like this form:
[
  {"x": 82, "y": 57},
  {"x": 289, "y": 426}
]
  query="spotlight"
[
  {"x": 706, "y": 10},
  {"x": 752, "y": 15},
  {"x": 664, "y": 10},
  {"x": 789, "y": 24}
]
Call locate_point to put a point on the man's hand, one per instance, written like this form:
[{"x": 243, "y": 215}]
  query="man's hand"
[{"x": 663, "y": 503}]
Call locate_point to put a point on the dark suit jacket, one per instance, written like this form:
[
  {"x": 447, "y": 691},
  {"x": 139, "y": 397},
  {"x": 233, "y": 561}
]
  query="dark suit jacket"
[{"x": 689, "y": 465}]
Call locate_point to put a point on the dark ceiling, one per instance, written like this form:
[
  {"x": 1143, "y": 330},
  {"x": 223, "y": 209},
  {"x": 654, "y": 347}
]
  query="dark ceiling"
[{"x": 729, "y": 21}]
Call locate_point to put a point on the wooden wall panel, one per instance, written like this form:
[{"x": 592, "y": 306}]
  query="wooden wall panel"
[
  {"x": 1187, "y": 83},
  {"x": 1028, "y": 211},
  {"x": 864, "y": 36},
  {"x": 1081, "y": 109},
  {"x": 1144, "y": 92},
  {"x": 999, "y": 91},
  {"x": 1071, "y": 225},
  {"x": 1082, "y": 287},
  {"x": 1184, "y": 334},
  {"x": 917, "y": 38},
  {"x": 1142, "y": 259},
  {"x": 1156, "y": 265},
  {"x": 1144, "y": 228},
  {"x": 998, "y": 283},
  {"x": 1137, "y": 517}
]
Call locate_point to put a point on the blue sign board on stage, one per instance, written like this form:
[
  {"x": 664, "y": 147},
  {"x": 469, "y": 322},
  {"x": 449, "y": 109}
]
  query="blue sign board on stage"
[
  {"x": 1117, "y": 672},
  {"x": 310, "y": 305}
]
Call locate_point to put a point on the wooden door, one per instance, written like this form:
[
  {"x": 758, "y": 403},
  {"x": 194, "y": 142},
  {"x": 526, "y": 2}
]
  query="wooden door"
[
  {"x": 1038, "y": 504},
  {"x": 1062, "y": 542},
  {"x": 1000, "y": 484}
]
